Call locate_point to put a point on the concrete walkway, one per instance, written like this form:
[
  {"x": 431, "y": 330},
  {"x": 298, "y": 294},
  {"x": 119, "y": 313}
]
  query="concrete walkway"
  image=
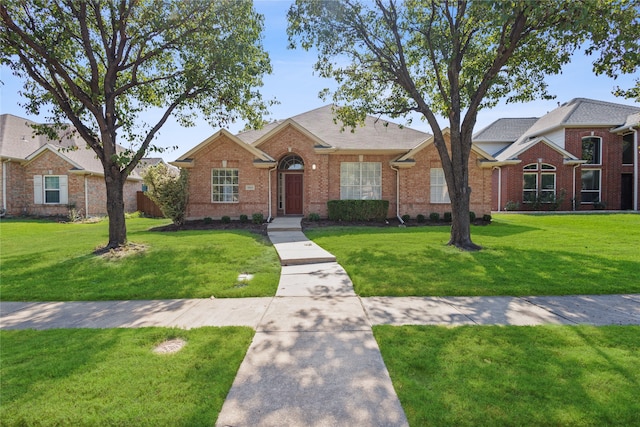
[{"x": 313, "y": 360}]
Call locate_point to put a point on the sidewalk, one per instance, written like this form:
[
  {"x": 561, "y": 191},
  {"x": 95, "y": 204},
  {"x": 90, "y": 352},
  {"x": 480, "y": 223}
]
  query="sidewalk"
[{"x": 313, "y": 360}]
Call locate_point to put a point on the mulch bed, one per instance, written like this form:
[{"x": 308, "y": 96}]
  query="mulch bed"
[{"x": 306, "y": 224}]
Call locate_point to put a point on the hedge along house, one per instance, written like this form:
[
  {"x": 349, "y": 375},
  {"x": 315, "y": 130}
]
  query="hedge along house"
[
  {"x": 43, "y": 177},
  {"x": 580, "y": 156},
  {"x": 295, "y": 166}
]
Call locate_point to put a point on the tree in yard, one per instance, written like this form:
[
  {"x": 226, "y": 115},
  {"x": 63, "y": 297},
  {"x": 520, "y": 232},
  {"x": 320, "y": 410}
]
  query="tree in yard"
[
  {"x": 169, "y": 190},
  {"x": 617, "y": 40},
  {"x": 108, "y": 65},
  {"x": 433, "y": 57}
]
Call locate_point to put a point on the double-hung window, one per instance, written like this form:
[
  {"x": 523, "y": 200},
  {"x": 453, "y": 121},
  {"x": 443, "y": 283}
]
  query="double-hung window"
[
  {"x": 439, "y": 190},
  {"x": 50, "y": 189},
  {"x": 361, "y": 181},
  {"x": 224, "y": 185},
  {"x": 590, "y": 186}
]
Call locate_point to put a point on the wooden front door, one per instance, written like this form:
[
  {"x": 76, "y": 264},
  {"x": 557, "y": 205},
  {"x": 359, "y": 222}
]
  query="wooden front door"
[{"x": 293, "y": 194}]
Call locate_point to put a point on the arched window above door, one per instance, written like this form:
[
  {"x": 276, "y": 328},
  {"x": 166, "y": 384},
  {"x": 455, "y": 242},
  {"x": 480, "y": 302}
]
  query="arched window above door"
[{"x": 291, "y": 163}]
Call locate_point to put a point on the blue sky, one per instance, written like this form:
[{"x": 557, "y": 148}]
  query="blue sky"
[{"x": 294, "y": 85}]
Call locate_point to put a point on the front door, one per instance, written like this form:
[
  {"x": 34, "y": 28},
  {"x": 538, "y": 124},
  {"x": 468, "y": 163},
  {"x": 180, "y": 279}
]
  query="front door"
[{"x": 293, "y": 194}]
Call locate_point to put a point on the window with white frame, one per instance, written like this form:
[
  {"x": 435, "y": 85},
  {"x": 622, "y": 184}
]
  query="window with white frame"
[
  {"x": 50, "y": 189},
  {"x": 361, "y": 181},
  {"x": 438, "y": 184},
  {"x": 627, "y": 149},
  {"x": 539, "y": 183},
  {"x": 590, "y": 186},
  {"x": 224, "y": 185},
  {"x": 591, "y": 150}
]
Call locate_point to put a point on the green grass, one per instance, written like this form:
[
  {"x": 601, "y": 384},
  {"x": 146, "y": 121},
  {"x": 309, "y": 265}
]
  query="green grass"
[
  {"x": 510, "y": 376},
  {"x": 112, "y": 377},
  {"x": 49, "y": 261},
  {"x": 522, "y": 255}
]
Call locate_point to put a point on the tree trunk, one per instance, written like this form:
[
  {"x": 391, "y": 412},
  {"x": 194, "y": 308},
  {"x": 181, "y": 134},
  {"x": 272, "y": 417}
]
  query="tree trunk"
[
  {"x": 115, "y": 209},
  {"x": 461, "y": 222}
]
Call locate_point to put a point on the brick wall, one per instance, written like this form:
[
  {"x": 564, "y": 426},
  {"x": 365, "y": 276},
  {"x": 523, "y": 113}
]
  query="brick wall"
[
  {"x": 611, "y": 170},
  {"x": 20, "y": 197},
  {"x": 320, "y": 184}
]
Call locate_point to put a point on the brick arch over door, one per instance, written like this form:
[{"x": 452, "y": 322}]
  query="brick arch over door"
[{"x": 291, "y": 184}]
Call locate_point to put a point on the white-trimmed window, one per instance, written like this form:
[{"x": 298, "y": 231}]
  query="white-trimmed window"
[
  {"x": 224, "y": 185},
  {"x": 439, "y": 190},
  {"x": 360, "y": 180},
  {"x": 592, "y": 150},
  {"x": 50, "y": 189},
  {"x": 539, "y": 183},
  {"x": 590, "y": 186}
]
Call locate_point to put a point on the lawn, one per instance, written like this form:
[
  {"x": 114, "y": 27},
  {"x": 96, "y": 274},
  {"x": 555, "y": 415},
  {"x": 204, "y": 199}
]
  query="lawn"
[
  {"x": 113, "y": 377},
  {"x": 49, "y": 261},
  {"x": 522, "y": 255},
  {"x": 509, "y": 376}
]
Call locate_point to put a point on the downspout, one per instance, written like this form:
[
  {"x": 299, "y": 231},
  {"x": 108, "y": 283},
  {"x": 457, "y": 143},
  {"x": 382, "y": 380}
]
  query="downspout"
[
  {"x": 574, "y": 186},
  {"x": 397, "y": 194},
  {"x": 86, "y": 197},
  {"x": 635, "y": 168},
  {"x": 499, "y": 187},
  {"x": 4, "y": 186},
  {"x": 269, "y": 172}
]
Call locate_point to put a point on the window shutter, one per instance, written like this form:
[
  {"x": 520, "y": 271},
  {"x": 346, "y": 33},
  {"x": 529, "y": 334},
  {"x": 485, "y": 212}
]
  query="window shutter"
[
  {"x": 64, "y": 192},
  {"x": 37, "y": 189}
]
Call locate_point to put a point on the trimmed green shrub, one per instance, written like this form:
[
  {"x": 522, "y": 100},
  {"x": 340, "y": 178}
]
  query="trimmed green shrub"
[
  {"x": 472, "y": 216},
  {"x": 244, "y": 219},
  {"x": 447, "y": 217},
  {"x": 257, "y": 218},
  {"x": 421, "y": 218},
  {"x": 434, "y": 217},
  {"x": 225, "y": 219},
  {"x": 486, "y": 218},
  {"x": 208, "y": 220},
  {"x": 406, "y": 217},
  {"x": 314, "y": 217},
  {"x": 358, "y": 210}
]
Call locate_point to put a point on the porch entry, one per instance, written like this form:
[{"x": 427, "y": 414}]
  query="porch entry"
[{"x": 291, "y": 179}]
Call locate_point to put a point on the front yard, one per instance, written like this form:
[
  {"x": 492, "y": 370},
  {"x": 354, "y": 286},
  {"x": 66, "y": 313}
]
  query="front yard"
[
  {"x": 112, "y": 377},
  {"x": 522, "y": 255},
  {"x": 49, "y": 261}
]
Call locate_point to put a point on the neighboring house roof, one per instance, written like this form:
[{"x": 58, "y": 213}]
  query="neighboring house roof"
[
  {"x": 376, "y": 134},
  {"x": 19, "y": 142},
  {"x": 579, "y": 112},
  {"x": 633, "y": 121},
  {"x": 505, "y": 130}
]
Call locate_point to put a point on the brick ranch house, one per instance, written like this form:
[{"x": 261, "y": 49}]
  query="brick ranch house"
[
  {"x": 42, "y": 177},
  {"x": 580, "y": 156},
  {"x": 295, "y": 166}
]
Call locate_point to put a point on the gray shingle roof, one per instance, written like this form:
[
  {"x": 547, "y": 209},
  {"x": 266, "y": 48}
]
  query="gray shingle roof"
[
  {"x": 581, "y": 112},
  {"x": 376, "y": 134},
  {"x": 505, "y": 130},
  {"x": 18, "y": 141}
]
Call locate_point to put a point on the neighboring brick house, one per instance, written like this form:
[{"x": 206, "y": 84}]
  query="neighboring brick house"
[
  {"x": 295, "y": 166},
  {"x": 45, "y": 178},
  {"x": 580, "y": 156}
]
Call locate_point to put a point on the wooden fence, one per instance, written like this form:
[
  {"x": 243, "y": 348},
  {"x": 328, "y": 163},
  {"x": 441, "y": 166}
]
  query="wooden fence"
[{"x": 147, "y": 207}]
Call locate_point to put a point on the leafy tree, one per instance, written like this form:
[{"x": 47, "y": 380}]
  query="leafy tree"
[
  {"x": 433, "y": 57},
  {"x": 617, "y": 41},
  {"x": 109, "y": 66},
  {"x": 169, "y": 190}
]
